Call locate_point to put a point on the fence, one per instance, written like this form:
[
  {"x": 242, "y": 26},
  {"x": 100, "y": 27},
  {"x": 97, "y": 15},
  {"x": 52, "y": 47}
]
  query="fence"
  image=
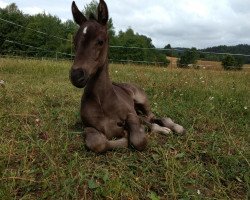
[{"x": 32, "y": 51}]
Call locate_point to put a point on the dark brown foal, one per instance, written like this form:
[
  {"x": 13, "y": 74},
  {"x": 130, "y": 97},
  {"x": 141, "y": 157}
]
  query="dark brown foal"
[{"x": 111, "y": 112}]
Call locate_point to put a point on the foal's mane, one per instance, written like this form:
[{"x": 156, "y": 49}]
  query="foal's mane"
[{"x": 92, "y": 16}]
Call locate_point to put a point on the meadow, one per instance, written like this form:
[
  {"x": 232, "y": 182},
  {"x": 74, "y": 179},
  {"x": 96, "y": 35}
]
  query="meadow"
[{"x": 42, "y": 151}]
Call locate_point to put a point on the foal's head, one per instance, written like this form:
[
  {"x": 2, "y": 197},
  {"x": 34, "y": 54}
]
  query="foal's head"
[{"x": 91, "y": 44}]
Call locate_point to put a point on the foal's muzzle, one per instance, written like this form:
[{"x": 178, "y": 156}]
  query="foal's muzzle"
[{"x": 78, "y": 77}]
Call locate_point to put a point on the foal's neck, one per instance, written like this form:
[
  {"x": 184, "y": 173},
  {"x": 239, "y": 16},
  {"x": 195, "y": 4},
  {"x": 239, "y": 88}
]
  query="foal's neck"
[{"x": 100, "y": 84}]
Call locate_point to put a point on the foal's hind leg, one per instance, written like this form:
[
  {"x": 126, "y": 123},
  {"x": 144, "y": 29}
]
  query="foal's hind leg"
[
  {"x": 143, "y": 109},
  {"x": 168, "y": 122},
  {"x": 98, "y": 142},
  {"x": 162, "y": 125}
]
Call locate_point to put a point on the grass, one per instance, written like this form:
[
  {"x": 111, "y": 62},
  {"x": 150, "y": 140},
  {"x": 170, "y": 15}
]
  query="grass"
[{"x": 42, "y": 153}]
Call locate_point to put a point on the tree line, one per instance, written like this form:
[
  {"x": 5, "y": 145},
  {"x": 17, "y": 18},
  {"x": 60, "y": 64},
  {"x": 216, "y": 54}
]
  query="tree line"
[
  {"x": 238, "y": 49},
  {"x": 46, "y": 35}
]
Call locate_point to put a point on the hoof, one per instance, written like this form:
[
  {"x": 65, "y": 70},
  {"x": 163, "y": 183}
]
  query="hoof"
[
  {"x": 179, "y": 129},
  {"x": 160, "y": 129}
]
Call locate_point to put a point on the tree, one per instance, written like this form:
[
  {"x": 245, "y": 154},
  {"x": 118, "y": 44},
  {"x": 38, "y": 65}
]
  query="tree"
[
  {"x": 90, "y": 9},
  {"x": 145, "y": 52},
  {"x": 11, "y": 31},
  {"x": 51, "y": 40},
  {"x": 70, "y": 28},
  {"x": 230, "y": 62},
  {"x": 168, "y": 46},
  {"x": 169, "y": 51},
  {"x": 12, "y": 8},
  {"x": 189, "y": 57}
]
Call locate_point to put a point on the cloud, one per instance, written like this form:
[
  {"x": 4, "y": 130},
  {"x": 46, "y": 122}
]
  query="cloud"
[
  {"x": 184, "y": 23},
  {"x": 32, "y": 10},
  {"x": 3, "y": 4}
]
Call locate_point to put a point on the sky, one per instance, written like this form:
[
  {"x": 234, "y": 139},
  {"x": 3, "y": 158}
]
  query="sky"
[{"x": 181, "y": 23}]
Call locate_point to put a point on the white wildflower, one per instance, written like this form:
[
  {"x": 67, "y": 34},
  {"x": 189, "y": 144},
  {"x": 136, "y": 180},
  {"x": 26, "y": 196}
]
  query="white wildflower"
[
  {"x": 37, "y": 122},
  {"x": 211, "y": 98},
  {"x": 2, "y": 83},
  {"x": 198, "y": 192},
  {"x": 245, "y": 107}
]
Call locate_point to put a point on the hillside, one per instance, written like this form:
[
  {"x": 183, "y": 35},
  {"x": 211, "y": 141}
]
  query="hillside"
[{"x": 238, "y": 49}]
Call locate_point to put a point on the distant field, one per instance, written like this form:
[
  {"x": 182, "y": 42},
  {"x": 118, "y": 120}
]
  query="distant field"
[
  {"x": 208, "y": 65},
  {"x": 42, "y": 153}
]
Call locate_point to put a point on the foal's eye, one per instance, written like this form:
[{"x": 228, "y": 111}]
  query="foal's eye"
[{"x": 100, "y": 42}]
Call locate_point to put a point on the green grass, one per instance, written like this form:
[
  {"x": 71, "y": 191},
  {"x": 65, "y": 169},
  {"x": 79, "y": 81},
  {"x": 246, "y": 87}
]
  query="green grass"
[{"x": 42, "y": 153}]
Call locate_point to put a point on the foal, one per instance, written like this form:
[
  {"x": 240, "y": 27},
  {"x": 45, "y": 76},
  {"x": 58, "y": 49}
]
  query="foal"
[{"x": 111, "y": 112}]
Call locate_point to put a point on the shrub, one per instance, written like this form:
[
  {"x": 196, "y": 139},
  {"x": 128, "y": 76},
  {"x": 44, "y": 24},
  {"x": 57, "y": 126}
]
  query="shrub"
[
  {"x": 188, "y": 58},
  {"x": 230, "y": 62}
]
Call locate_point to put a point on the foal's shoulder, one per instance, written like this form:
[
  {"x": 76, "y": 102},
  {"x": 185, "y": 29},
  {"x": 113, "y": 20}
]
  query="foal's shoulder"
[
  {"x": 129, "y": 86},
  {"x": 123, "y": 87}
]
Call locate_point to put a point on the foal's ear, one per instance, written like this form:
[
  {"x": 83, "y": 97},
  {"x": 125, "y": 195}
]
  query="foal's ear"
[
  {"x": 77, "y": 15},
  {"x": 103, "y": 14}
]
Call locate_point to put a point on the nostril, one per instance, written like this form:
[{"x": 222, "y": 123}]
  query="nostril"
[
  {"x": 77, "y": 74},
  {"x": 78, "y": 77}
]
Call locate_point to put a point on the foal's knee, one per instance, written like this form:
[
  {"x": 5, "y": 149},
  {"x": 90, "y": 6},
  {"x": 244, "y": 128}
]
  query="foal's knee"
[
  {"x": 140, "y": 143},
  {"x": 138, "y": 140},
  {"x": 96, "y": 142}
]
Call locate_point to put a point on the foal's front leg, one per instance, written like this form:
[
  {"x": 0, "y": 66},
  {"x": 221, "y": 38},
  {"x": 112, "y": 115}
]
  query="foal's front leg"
[
  {"x": 98, "y": 142},
  {"x": 137, "y": 136}
]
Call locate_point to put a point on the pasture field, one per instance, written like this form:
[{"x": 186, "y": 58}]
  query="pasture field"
[
  {"x": 204, "y": 64},
  {"x": 42, "y": 152}
]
